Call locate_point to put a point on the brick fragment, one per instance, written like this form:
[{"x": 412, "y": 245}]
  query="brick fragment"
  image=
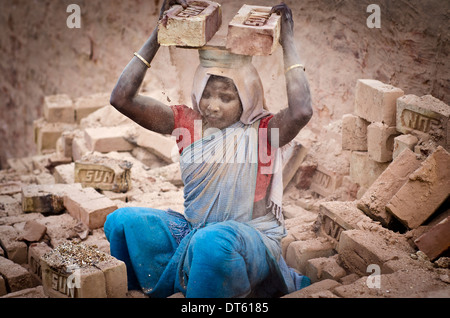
[
  {"x": 435, "y": 241},
  {"x": 190, "y": 27},
  {"x": 376, "y": 101},
  {"x": 380, "y": 141},
  {"x": 354, "y": 133},
  {"x": 426, "y": 189},
  {"x": 59, "y": 109},
  {"x": 103, "y": 173},
  {"x": 15, "y": 250},
  {"x": 253, "y": 31},
  {"x": 33, "y": 231},
  {"x": 324, "y": 268},
  {"x": 425, "y": 114},
  {"x": 107, "y": 139},
  {"x": 64, "y": 173},
  {"x": 375, "y": 199},
  {"x": 403, "y": 142},
  {"x": 16, "y": 277}
]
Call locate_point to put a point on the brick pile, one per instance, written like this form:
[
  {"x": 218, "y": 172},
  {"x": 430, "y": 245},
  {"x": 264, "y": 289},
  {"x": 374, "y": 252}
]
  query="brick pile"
[{"x": 377, "y": 211}]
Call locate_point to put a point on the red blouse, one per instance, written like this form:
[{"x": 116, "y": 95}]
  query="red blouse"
[{"x": 185, "y": 117}]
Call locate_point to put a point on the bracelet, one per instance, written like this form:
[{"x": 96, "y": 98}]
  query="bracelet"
[
  {"x": 295, "y": 66},
  {"x": 142, "y": 59}
]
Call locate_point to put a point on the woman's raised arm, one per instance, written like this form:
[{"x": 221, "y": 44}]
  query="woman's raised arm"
[
  {"x": 145, "y": 111},
  {"x": 292, "y": 119}
]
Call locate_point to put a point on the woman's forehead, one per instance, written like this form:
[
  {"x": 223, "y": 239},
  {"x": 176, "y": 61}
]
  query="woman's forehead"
[{"x": 220, "y": 82}]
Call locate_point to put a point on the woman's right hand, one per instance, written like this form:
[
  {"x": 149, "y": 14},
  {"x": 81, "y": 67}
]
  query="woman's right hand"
[{"x": 168, "y": 3}]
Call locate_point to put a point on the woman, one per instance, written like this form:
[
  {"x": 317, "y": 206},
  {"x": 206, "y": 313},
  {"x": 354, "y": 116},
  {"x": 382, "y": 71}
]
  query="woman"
[{"x": 227, "y": 243}]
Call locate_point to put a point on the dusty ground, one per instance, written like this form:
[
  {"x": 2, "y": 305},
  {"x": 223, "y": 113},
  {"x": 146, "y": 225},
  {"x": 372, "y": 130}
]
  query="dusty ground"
[{"x": 41, "y": 56}]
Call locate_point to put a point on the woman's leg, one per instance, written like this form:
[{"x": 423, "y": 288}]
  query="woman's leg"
[
  {"x": 142, "y": 239},
  {"x": 225, "y": 259}
]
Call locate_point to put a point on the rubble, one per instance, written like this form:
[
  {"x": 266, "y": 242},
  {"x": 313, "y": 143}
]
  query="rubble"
[{"x": 360, "y": 208}]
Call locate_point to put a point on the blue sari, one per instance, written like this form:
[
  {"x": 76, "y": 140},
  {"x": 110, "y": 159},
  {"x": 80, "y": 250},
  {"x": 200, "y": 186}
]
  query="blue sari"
[{"x": 216, "y": 249}]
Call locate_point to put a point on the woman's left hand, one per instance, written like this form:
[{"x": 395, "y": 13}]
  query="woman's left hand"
[{"x": 287, "y": 23}]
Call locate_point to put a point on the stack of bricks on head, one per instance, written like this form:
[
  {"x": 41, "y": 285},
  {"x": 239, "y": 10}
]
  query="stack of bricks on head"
[{"x": 93, "y": 160}]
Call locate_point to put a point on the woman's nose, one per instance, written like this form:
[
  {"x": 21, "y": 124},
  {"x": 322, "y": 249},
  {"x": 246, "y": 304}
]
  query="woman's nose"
[{"x": 213, "y": 106}]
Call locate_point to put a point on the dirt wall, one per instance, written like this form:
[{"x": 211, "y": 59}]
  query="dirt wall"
[{"x": 42, "y": 56}]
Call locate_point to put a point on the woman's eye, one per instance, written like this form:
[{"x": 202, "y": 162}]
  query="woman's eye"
[
  {"x": 206, "y": 95},
  {"x": 226, "y": 98}
]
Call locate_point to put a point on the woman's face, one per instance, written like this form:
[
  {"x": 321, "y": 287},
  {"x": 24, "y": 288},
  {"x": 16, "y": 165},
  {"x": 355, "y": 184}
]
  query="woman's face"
[{"x": 220, "y": 103}]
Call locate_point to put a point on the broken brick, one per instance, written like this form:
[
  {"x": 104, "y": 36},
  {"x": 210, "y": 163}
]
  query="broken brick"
[
  {"x": 426, "y": 189},
  {"x": 324, "y": 268},
  {"x": 35, "y": 252},
  {"x": 253, "y": 31},
  {"x": 403, "y": 142},
  {"x": 190, "y": 27},
  {"x": 375, "y": 199},
  {"x": 380, "y": 141},
  {"x": 425, "y": 114},
  {"x": 354, "y": 133},
  {"x": 33, "y": 231}
]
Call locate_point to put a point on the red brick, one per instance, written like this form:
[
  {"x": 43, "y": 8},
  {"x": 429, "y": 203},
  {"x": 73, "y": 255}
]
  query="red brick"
[
  {"x": 403, "y": 142},
  {"x": 190, "y": 27},
  {"x": 253, "y": 31},
  {"x": 435, "y": 241},
  {"x": 426, "y": 189}
]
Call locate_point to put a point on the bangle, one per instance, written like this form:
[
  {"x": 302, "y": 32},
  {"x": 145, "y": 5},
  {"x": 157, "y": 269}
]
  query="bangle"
[
  {"x": 295, "y": 66},
  {"x": 142, "y": 59}
]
